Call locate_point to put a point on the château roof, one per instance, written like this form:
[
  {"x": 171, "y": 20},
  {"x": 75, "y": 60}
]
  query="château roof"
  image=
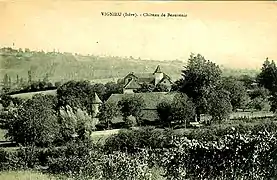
[
  {"x": 151, "y": 99},
  {"x": 132, "y": 85},
  {"x": 141, "y": 78},
  {"x": 158, "y": 70}
]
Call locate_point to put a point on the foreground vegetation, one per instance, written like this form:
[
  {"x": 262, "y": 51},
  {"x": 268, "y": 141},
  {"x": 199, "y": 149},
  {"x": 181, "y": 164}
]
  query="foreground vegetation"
[{"x": 234, "y": 152}]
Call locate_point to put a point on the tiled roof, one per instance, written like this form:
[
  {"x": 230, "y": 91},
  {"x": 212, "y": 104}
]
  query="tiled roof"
[
  {"x": 151, "y": 99},
  {"x": 145, "y": 77},
  {"x": 132, "y": 85}
]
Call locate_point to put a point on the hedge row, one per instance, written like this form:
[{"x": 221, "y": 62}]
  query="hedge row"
[{"x": 244, "y": 151}]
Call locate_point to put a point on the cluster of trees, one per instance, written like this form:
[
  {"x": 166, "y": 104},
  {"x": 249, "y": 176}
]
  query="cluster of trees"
[
  {"x": 6, "y": 51},
  {"x": 268, "y": 79},
  {"x": 22, "y": 86},
  {"x": 44, "y": 120},
  {"x": 210, "y": 93},
  {"x": 82, "y": 89},
  {"x": 180, "y": 110}
]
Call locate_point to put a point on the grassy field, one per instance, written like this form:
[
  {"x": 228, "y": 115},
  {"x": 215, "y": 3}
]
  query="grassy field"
[
  {"x": 27, "y": 175},
  {"x": 2, "y": 135},
  {"x": 101, "y": 136},
  {"x": 29, "y": 95}
]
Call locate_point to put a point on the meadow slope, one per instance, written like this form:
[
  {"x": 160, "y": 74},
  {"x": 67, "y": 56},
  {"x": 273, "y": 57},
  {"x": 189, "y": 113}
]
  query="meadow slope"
[{"x": 67, "y": 66}]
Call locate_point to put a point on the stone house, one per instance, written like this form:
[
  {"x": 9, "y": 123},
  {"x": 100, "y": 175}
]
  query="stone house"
[{"x": 133, "y": 81}]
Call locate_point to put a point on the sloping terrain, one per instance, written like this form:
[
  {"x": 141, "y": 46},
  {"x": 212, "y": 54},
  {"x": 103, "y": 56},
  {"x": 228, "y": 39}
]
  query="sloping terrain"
[{"x": 66, "y": 66}]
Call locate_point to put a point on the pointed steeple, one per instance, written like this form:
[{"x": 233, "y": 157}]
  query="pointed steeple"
[
  {"x": 97, "y": 99},
  {"x": 158, "y": 75},
  {"x": 158, "y": 69}
]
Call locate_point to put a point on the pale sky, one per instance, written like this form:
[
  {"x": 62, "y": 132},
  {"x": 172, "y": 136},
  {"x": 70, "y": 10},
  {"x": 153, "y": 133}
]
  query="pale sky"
[{"x": 238, "y": 34}]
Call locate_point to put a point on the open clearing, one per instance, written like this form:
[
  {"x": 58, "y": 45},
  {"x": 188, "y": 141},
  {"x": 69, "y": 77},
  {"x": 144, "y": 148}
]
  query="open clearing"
[
  {"x": 103, "y": 135},
  {"x": 2, "y": 135},
  {"x": 26, "y": 175}
]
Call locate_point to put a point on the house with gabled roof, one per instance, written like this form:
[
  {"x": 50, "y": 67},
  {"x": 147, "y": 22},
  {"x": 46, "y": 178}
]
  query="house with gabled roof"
[
  {"x": 151, "y": 100},
  {"x": 133, "y": 81}
]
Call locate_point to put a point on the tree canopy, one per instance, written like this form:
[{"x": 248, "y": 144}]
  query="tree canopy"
[
  {"x": 76, "y": 94},
  {"x": 131, "y": 106},
  {"x": 108, "y": 111},
  {"x": 238, "y": 93},
  {"x": 219, "y": 106},
  {"x": 268, "y": 75},
  {"x": 35, "y": 122},
  {"x": 199, "y": 77}
]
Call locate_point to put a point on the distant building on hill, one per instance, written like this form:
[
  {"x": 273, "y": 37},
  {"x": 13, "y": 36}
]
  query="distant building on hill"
[{"x": 133, "y": 81}]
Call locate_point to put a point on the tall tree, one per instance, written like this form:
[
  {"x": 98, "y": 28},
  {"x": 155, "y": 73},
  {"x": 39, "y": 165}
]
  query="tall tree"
[
  {"x": 29, "y": 77},
  {"x": 200, "y": 76},
  {"x": 268, "y": 75},
  {"x": 10, "y": 82},
  {"x": 219, "y": 106},
  {"x": 164, "y": 110},
  {"x": 35, "y": 122},
  {"x": 238, "y": 93},
  {"x": 112, "y": 88},
  {"x": 17, "y": 80},
  {"x": 100, "y": 89},
  {"x": 77, "y": 94},
  {"x": 6, "y": 84},
  {"x": 183, "y": 109},
  {"x": 131, "y": 106},
  {"x": 108, "y": 111}
]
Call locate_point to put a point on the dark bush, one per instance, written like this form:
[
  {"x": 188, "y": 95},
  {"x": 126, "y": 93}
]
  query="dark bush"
[
  {"x": 131, "y": 140},
  {"x": 20, "y": 159}
]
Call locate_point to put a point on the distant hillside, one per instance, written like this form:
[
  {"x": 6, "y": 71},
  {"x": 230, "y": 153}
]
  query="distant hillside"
[{"x": 67, "y": 66}]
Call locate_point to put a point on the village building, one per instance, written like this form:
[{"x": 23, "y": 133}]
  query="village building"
[
  {"x": 151, "y": 100},
  {"x": 133, "y": 81},
  {"x": 96, "y": 105}
]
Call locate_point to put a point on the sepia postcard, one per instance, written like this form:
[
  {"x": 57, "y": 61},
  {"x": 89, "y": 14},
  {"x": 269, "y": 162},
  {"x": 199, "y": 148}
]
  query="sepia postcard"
[{"x": 138, "y": 89}]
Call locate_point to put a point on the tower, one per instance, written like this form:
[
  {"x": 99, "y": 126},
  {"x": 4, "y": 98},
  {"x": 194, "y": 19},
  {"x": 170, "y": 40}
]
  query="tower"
[
  {"x": 96, "y": 104},
  {"x": 158, "y": 75}
]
